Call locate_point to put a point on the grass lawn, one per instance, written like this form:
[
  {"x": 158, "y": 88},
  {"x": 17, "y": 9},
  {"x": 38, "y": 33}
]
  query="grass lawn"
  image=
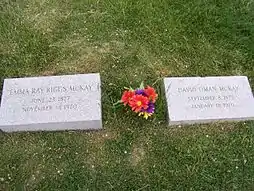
[{"x": 129, "y": 41}]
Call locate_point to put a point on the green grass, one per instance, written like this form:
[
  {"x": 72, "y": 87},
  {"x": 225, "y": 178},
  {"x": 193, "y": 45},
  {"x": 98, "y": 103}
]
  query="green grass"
[{"x": 129, "y": 41}]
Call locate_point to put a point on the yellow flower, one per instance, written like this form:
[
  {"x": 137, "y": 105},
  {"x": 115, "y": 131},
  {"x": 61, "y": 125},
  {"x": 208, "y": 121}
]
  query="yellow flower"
[{"x": 146, "y": 115}]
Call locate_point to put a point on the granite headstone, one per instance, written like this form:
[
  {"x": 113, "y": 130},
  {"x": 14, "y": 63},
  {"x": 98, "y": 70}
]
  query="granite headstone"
[
  {"x": 70, "y": 102},
  {"x": 208, "y": 99}
]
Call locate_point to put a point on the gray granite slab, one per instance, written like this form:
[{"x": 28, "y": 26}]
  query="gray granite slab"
[
  {"x": 208, "y": 99},
  {"x": 54, "y": 103}
]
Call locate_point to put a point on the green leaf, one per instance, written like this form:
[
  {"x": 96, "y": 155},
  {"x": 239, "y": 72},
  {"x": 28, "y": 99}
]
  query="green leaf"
[
  {"x": 117, "y": 103},
  {"x": 142, "y": 85}
]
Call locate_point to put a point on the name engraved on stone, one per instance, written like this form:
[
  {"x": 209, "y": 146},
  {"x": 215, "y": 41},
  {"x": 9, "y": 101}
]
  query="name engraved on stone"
[
  {"x": 53, "y": 89},
  {"x": 195, "y": 99},
  {"x": 51, "y": 103}
]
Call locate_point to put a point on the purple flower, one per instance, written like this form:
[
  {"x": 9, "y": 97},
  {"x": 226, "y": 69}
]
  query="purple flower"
[
  {"x": 150, "y": 109},
  {"x": 140, "y": 92}
]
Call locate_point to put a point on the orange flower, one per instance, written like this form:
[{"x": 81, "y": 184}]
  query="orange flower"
[
  {"x": 126, "y": 97},
  {"x": 151, "y": 93},
  {"x": 139, "y": 102}
]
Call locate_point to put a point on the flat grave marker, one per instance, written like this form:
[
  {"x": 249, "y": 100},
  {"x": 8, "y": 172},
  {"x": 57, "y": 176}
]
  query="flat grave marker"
[
  {"x": 207, "y": 99},
  {"x": 70, "y": 102}
]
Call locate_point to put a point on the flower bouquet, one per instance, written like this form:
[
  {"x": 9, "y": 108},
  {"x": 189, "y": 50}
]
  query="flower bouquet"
[{"x": 141, "y": 100}]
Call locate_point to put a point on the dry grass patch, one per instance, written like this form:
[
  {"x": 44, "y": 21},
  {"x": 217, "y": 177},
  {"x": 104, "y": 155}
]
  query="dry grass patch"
[
  {"x": 99, "y": 138},
  {"x": 137, "y": 154},
  {"x": 82, "y": 56},
  {"x": 7, "y": 47},
  {"x": 45, "y": 15},
  {"x": 96, "y": 152}
]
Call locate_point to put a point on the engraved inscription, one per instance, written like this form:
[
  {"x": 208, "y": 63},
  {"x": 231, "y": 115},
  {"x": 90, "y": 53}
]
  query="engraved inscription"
[
  {"x": 210, "y": 96},
  {"x": 67, "y": 107},
  {"x": 54, "y": 89},
  {"x": 41, "y": 101},
  {"x": 61, "y": 101},
  {"x": 208, "y": 89},
  {"x": 51, "y": 99},
  {"x": 37, "y": 108}
]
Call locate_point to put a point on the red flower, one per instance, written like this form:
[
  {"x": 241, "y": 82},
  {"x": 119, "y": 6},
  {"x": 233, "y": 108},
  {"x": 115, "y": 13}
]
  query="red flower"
[
  {"x": 139, "y": 102},
  {"x": 126, "y": 97},
  {"x": 151, "y": 93}
]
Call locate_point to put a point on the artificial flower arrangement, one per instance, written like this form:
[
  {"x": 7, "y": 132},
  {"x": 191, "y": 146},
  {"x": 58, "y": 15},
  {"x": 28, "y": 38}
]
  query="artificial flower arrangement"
[{"x": 141, "y": 100}]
